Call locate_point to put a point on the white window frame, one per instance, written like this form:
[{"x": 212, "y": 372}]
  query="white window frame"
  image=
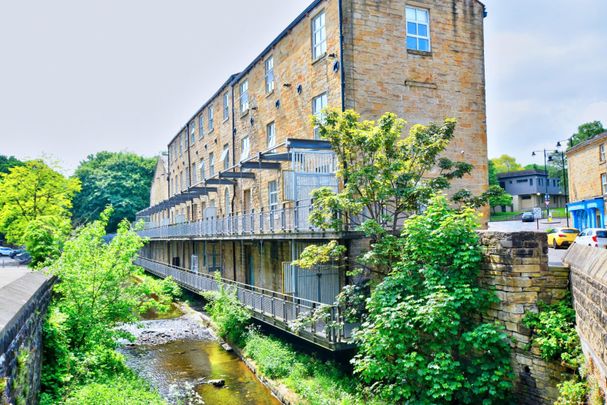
[
  {"x": 211, "y": 118},
  {"x": 273, "y": 195},
  {"x": 225, "y": 157},
  {"x": 187, "y": 177},
  {"x": 202, "y": 174},
  {"x": 604, "y": 183},
  {"x": 194, "y": 174},
  {"x": 192, "y": 132},
  {"x": 602, "y": 154},
  {"x": 226, "y": 106},
  {"x": 269, "y": 74},
  {"x": 319, "y": 103},
  {"x": 226, "y": 196},
  {"x": 245, "y": 148},
  {"x": 201, "y": 125},
  {"x": 271, "y": 134},
  {"x": 211, "y": 164},
  {"x": 243, "y": 97},
  {"x": 417, "y": 22},
  {"x": 319, "y": 36}
]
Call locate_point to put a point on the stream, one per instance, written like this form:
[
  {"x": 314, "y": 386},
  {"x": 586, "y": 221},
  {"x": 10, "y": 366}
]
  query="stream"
[{"x": 179, "y": 357}]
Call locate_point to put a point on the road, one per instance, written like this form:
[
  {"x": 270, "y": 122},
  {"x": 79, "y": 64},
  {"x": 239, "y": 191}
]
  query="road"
[
  {"x": 555, "y": 257},
  {"x": 7, "y": 262}
]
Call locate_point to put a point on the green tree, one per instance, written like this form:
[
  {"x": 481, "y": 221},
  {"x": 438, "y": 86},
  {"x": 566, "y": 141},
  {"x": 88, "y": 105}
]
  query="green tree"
[
  {"x": 493, "y": 181},
  {"x": 35, "y": 203},
  {"x": 119, "y": 179},
  {"x": 499, "y": 197},
  {"x": 6, "y": 162},
  {"x": 505, "y": 164},
  {"x": 585, "y": 132},
  {"x": 422, "y": 341}
]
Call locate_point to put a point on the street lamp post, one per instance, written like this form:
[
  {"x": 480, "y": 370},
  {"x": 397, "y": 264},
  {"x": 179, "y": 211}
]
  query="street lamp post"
[
  {"x": 546, "y": 173},
  {"x": 565, "y": 180}
]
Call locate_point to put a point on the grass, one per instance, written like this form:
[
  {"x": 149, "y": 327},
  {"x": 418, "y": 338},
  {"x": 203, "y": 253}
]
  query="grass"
[{"x": 506, "y": 216}]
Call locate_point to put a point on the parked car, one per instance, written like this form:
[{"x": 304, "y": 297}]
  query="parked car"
[
  {"x": 15, "y": 252},
  {"x": 596, "y": 237},
  {"x": 528, "y": 217},
  {"x": 23, "y": 258},
  {"x": 562, "y": 237},
  {"x": 5, "y": 251}
]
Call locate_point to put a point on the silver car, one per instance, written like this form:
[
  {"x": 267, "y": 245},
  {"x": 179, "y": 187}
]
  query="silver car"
[{"x": 5, "y": 251}]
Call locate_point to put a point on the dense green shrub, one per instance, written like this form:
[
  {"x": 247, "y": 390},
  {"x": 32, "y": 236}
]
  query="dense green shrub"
[
  {"x": 422, "y": 342},
  {"x": 228, "y": 314},
  {"x": 274, "y": 357},
  {"x": 121, "y": 390},
  {"x": 572, "y": 392}
]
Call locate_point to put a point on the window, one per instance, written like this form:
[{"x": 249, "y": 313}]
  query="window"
[
  {"x": 540, "y": 181},
  {"x": 211, "y": 164},
  {"x": 318, "y": 105},
  {"x": 244, "y": 97},
  {"x": 604, "y": 182},
  {"x": 271, "y": 134},
  {"x": 181, "y": 181},
  {"x": 184, "y": 140},
  {"x": 273, "y": 195},
  {"x": 187, "y": 177},
  {"x": 192, "y": 132},
  {"x": 269, "y": 74},
  {"x": 245, "y": 148},
  {"x": 194, "y": 174},
  {"x": 522, "y": 180},
  {"x": 226, "y": 106},
  {"x": 225, "y": 157},
  {"x": 418, "y": 29},
  {"x": 319, "y": 36},
  {"x": 226, "y": 196},
  {"x": 202, "y": 177},
  {"x": 602, "y": 152},
  {"x": 211, "y": 118},
  {"x": 530, "y": 182},
  {"x": 201, "y": 125}
]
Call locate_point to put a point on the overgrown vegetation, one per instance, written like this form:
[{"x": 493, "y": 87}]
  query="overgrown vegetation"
[
  {"x": 95, "y": 294},
  {"x": 554, "y": 335}
]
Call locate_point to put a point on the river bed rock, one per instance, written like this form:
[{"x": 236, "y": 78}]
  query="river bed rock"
[{"x": 161, "y": 331}]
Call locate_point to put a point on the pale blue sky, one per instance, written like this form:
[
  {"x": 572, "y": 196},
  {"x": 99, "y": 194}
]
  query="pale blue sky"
[{"x": 78, "y": 77}]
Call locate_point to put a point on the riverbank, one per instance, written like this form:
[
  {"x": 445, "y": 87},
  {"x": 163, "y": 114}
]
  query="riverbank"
[{"x": 180, "y": 358}]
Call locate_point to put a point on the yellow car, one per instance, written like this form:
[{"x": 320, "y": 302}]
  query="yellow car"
[{"x": 562, "y": 237}]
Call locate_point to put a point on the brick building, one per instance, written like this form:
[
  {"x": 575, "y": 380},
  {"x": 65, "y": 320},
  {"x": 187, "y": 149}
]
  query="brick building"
[
  {"x": 588, "y": 182},
  {"x": 241, "y": 169}
]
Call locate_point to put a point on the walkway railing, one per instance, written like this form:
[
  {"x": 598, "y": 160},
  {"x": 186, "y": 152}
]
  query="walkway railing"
[
  {"x": 293, "y": 218},
  {"x": 274, "y": 308}
]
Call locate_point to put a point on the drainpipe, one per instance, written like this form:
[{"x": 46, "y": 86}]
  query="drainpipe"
[
  {"x": 341, "y": 57},
  {"x": 235, "y": 183}
]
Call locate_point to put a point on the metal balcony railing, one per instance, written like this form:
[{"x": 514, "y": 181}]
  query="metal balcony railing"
[
  {"x": 293, "y": 218},
  {"x": 274, "y": 308}
]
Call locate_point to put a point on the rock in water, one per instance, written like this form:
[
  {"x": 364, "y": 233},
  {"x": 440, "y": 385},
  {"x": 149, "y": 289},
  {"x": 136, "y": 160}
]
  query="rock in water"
[
  {"x": 217, "y": 383},
  {"x": 226, "y": 347}
]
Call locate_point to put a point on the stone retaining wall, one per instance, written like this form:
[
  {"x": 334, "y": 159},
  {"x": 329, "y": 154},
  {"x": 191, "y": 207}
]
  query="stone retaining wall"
[
  {"x": 516, "y": 265},
  {"x": 24, "y": 299},
  {"x": 589, "y": 286}
]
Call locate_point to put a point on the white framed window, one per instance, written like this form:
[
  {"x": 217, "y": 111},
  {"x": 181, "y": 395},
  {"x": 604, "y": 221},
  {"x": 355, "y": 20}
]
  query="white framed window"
[
  {"x": 194, "y": 174},
  {"x": 184, "y": 141},
  {"x": 211, "y": 118},
  {"x": 192, "y": 132},
  {"x": 271, "y": 134},
  {"x": 602, "y": 152},
  {"x": 226, "y": 106},
  {"x": 202, "y": 174},
  {"x": 187, "y": 177},
  {"x": 245, "y": 148},
  {"x": 226, "y": 197},
  {"x": 319, "y": 36},
  {"x": 181, "y": 183},
  {"x": 225, "y": 156},
  {"x": 176, "y": 185},
  {"x": 244, "y": 96},
  {"x": 418, "y": 29},
  {"x": 273, "y": 195},
  {"x": 201, "y": 125},
  {"x": 269, "y": 74},
  {"x": 211, "y": 164},
  {"x": 180, "y": 146},
  {"x": 604, "y": 182},
  {"x": 319, "y": 103}
]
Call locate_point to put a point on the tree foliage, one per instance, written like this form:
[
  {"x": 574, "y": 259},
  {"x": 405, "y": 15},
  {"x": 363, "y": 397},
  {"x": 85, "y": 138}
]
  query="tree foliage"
[
  {"x": 6, "y": 162},
  {"x": 505, "y": 164},
  {"x": 95, "y": 293},
  {"x": 35, "y": 203},
  {"x": 422, "y": 341},
  {"x": 119, "y": 179},
  {"x": 493, "y": 181},
  {"x": 585, "y": 132}
]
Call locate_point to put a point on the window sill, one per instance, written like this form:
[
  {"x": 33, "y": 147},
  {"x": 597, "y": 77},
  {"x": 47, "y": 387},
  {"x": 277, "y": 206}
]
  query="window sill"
[
  {"x": 244, "y": 113},
  {"x": 270, "y": 94},
  {"x": 321, "y": 57},
  {"x": 225, "y": 120},
  {"x": 419, "y": 53},
  {"x": 211, "y": 131}
]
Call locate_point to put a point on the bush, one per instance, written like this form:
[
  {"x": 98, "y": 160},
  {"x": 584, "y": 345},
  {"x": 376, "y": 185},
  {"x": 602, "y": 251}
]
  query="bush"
[
  {"x": 572, "y": 392},
  {"x": 228, "y": 314},
  {"x": 274, "y": 358},
  {"x": 121, "y": 390}
]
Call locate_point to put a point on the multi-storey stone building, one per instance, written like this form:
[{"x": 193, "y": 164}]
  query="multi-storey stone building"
[
  {"x": 240, "y": 171},
  {"x": 587, "y": 164}
]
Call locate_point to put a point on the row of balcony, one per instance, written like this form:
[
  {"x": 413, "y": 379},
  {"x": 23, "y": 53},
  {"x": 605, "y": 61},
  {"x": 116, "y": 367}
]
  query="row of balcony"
[{"x": 271, "y": 307}]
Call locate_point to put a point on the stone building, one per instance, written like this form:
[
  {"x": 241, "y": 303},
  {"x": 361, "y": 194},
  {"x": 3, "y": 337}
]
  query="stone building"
[
  {"x": 241, "y": 169},
  {"x": 588, "y": 182}
]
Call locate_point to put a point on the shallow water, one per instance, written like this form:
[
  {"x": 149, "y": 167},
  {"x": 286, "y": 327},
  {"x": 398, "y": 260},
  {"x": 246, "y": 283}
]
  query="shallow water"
[{"x": 178, "y": 356}]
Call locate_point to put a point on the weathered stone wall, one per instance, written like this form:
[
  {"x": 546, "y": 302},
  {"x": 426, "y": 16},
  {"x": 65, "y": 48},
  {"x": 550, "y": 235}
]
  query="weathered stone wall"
[
  {"x": 23, "y": 304},
  {"x": 585, "y": 169},
  {"x": 516, "y": 265},
  {"x": 589, "y": 286}
]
